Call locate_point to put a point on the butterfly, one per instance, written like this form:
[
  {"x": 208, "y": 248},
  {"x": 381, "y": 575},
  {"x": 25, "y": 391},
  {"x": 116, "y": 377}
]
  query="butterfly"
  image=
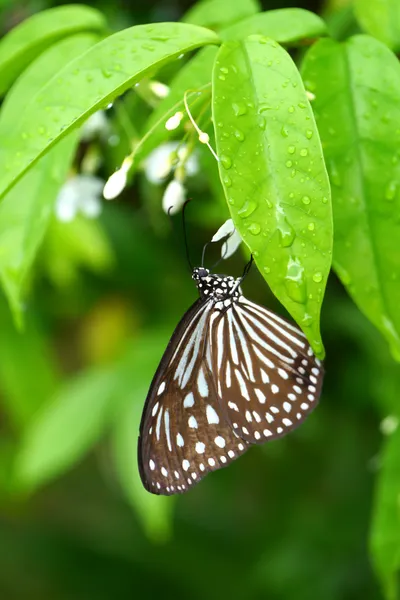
[{"x": 234, "y": 374}]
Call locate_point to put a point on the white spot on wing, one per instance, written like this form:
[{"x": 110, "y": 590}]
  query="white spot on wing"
[{"x": 212, "y": 416}]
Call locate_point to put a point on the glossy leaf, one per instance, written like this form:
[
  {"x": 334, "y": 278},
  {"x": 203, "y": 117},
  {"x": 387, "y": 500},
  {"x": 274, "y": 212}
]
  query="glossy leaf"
[
  {"x": 29, "y": 39},
  {"x": 385, "y": 528},
  {"x": 88, "y": 83},
  {"x": 137, "y": 369},
  {"x": 273, "y": 173},
  {"x": 220, "y": 13},
  {"x": 286, "y": 25},
  {"x": 357, "y": 106},
  {"x": 67, "y": 427},
  {"x": 195, "y": 74},
  {"x": 380, "y": 18},
  {"x": 26, "y": 209}
]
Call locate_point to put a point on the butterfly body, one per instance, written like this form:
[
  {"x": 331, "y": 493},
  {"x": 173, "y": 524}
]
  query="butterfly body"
[{"x": 233, "y": 374}]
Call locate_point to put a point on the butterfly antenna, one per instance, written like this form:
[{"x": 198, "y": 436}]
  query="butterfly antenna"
[{"x": 185, "y": 234}]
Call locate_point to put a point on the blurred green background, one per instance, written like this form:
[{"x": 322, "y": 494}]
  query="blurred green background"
[{"x": 289, "y": 520}]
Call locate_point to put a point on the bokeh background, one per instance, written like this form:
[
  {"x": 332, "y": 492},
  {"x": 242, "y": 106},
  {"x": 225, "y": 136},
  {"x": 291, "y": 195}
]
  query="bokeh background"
[{"x": 289, "y": 520}]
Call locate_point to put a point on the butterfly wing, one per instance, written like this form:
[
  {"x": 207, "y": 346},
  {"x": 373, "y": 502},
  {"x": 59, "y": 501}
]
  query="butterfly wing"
[
  {"x": 268, "y": 377},
  {"x": 183, "y": 434}
]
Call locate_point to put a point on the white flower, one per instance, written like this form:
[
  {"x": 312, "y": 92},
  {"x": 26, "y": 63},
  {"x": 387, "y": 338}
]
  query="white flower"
[
  {"x": 97, "y": 125},
  {"x": 117, "y": 181},
  {"x": 310, "y": 96},
  {"x": 389, "y": 425},
  {"x": 158, "y": 164},
  {"x": 232, "y": 243},
  {"x": 174, "y": 121},
  {"x": 174, "y": 197},
  {"x": 159, "y": 89},
  {"x": 80, "y": 193}
]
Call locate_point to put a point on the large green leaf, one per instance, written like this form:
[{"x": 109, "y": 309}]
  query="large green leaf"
[
  {"x": 67, "y": 427},
  {"x": 380, "y": 18},
  {"x": 29, "y": 39},
  {"x": 220, "y": 13},
  {"x": 286, "y": 25},
  {"x": 88, "y": 83},
  {"x": 273, "y": 173},
  {"x": 385, "y": 528},
  {"x": 357, "y": 107},
  {"x": 26, "y": 209}
]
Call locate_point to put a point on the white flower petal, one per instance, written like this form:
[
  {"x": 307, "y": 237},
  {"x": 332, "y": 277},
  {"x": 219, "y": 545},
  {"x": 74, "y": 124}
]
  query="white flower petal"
[
  {"x": 174, "y": 197},
  {"x": 174, "y": 121},
  {"x": 91, "y": 207},
  {"x": 158, "y": 164},
  {"x": 231, "y": 245},
  {"x": 225, "y": 229},
  {"x": 159, "y": 89},
  {"x": 115, "y": 184},
  {"x": 97, "y": 125},
  {"x": 74, "y": 193}
]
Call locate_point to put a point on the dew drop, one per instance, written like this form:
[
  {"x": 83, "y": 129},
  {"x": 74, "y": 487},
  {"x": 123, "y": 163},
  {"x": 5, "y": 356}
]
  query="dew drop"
[
  {"x": 254, "y": 228},
  {"x": 291, "y": 109},
  {"x": 284, "y": 131},
  {"x": 309, "y": 134},
  {"x": 324, "y": 200},
  {"x": 291, "y": 149},
  {"x": 317, "y": 277},
  {"x": 303, "y": 152},
  {"x": 227, "y": 181},
  {"x": 224, "y": 70},
  {"x": 239, "y": 135},
  {"x": 311, "y": 226},
  {"x": 225, "y": 161},
  {"x": 295, "y": 282},
  {"x": 391, "y": 190},
  {"x": 289, "y": 164},
  {"x": 302, "y": 105},
  {"x": 239, "y": 109},
  {"x": 262, "y": 123},
  {"x": 267, "y": 270},
  {"x": 286, "y": 231},
  {"x": 268, "y": 203},
  {"x": 247, "y": 209},
  {"x": 305, "y": 200}
]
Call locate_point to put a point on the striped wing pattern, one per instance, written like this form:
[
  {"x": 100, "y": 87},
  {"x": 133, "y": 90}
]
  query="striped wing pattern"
[{"x": 233, "y": 374}]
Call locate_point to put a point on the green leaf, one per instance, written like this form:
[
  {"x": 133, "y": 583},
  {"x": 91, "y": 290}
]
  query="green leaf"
[
  {"x": 286, "y": 25},
  {"x": 138, "y": 366},
  {"x": 220, "y": 13},
  {"x": 273, "y": 173},
  {"x": 380, "y": 18},
  {"x": 195, "y": 74},
  {"x": 27, "y": 371},
  {"x": 357, "y": 107},
  {"x": 88, "y": 83},
  {"x": 67, "y": 427},
  {"x": 25, "y": 211},
  {"x": 29, "y": 39},
  {"x": 385, "y": 528}
]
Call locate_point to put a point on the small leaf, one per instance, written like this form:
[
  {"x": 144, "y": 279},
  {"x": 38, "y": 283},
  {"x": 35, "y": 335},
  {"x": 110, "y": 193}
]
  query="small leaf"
[
  {"x": 273, "y": 173},
  {"x": 29, "y": 39},
  {"x": 380, "y": 18},
  {"x": 385, "y": 528},
  {"x": 220, "y": 13},
  {"x": 88, "y": 83},
  {"x": 357, "y": 107},
  {"x": 195, "y": 74},
  {"x": 63, "y": 432},
  {"x": 285, "y": 25},
  {"x": 26, "y": 209}
]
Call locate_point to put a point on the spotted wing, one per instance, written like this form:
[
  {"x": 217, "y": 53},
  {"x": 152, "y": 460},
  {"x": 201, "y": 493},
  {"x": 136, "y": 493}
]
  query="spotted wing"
[
  {"x": 268, "y": 377},
  {"x": 183, "y": 434}
]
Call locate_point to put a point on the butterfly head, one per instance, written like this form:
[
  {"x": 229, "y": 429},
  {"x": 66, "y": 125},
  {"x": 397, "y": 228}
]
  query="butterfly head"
[{"x": 216, "y": 287}]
